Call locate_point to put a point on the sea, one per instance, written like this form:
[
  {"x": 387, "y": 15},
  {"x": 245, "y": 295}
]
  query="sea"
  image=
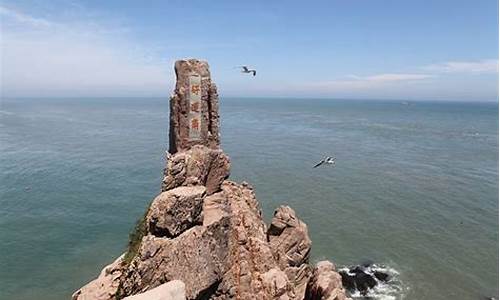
[{"x": 414, "y": 188}]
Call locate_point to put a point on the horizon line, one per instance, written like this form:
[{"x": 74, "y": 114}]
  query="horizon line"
[{"x": 259, "y": 97}]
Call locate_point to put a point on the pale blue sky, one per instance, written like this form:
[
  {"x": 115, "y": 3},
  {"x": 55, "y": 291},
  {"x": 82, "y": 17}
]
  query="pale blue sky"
[{"x": 380, "y": 49}]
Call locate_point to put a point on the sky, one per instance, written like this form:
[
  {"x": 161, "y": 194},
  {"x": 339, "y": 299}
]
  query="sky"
[{"x": 347, "y": 49}]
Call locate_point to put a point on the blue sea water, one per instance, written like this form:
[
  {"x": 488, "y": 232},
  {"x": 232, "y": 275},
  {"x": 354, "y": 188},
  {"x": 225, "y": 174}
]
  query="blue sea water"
[{"x": 415, "y": 187}]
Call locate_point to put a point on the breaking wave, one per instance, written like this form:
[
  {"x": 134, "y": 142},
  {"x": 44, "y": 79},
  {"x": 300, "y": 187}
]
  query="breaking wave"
[{"x": 388, "y": 283}]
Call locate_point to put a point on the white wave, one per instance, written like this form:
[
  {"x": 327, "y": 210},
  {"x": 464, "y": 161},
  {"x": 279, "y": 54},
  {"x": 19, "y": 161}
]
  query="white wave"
[{"x": 393, "y": 289}]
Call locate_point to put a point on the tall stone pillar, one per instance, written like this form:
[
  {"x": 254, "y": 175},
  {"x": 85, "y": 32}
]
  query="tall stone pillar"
[
  {"x": 194, "y": 108},
  {"x": 195, "y": 155}
]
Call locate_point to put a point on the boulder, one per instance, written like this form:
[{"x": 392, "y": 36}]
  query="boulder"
[
  {"x": 357, "y": 270},
  {"x": 348, "y": 281},
  {"x": 197, "y": 257},
  {"x": 381, "y": 276},
  {"x": 198, "y": 166},
  {"x": 250, "y": 257},
  {"x": 299, "y": 278},
  {"x": 276, "y": 283},
  {"x": 105, "y": 286},
  {"x": 325, "y": 284},
  {"x": 172, "y": 290},
  {"x": 289, "y": 238},
  {"x": 364, "y": 282},
  {"x": 215, "y": 207},
  {"x": 291, "y": 245},
  {"x": 362, "y": 278},
  {"x": 175, "y": 211}
]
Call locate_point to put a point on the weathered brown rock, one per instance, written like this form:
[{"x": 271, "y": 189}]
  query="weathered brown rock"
[
  {"x": 290, "y": 244},
  {"x": 215, "y": 207},
  {"x": 180, "y": 139},
  {"x": 250, "y": 257},
  {"x": 325, "y": 284},
  {"x": 197, "y": 257},
  {"x": 299, "y": 278},
  {"x": 175, "y": 211},
  {"x": 206, "y": 231},
  {"x": 198, "y": 166},
  {"x": 229, "y": 255},
  {"x": 172, "y": 290},
  {"x": 276, "y": 285},
  {"x": 105, "y": 286},
  {"x": 289, "y": 238}
]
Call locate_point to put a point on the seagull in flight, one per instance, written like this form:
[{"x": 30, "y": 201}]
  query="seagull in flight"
[
  {"x": 245, "y": 69},
  {"x": 327, "y": 160}
]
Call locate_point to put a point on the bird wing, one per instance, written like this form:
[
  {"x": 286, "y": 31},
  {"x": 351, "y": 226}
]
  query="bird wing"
[
  {"x": 254, "y": 72},
  {"x": 245, "y": 68},
  {"x": 319, "y": 164}
]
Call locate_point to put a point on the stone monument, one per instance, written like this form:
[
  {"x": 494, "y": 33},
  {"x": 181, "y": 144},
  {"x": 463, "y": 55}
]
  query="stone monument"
[
  {"x": 194, "y": 106},
  {"x": 203, "y": 236}
]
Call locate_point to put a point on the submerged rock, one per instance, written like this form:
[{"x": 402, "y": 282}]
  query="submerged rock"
[
  {"x": 363, "y": 278},
  {"x": 348, "y": 281},
  {"x": 381, "y": 276},
  {"x": 364, "y": 282}
]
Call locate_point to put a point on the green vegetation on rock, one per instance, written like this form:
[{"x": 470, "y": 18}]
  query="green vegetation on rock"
[{"x": 135, "y": 238}]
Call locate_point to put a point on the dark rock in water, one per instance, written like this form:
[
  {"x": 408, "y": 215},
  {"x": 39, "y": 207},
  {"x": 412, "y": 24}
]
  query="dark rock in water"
[
  {"x": 364, "y": 282},
  {"x": 381, "y": 276},
  {"x": 348, "y": 281},
  {"x": 357, "y": 270},
  {"x": 360, "y": 280}
]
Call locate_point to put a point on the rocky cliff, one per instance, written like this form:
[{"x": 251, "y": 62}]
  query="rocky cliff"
[{"x": 203, "y": 236}]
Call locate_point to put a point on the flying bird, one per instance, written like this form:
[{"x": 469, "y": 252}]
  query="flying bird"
[
  {"x": 245, "y": 69},
  {"x": 327, "y": 160}
]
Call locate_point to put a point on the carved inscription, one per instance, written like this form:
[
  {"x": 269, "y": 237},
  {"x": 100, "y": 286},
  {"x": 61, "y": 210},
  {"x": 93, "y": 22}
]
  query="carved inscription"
[{"x": 194, "y": 107}]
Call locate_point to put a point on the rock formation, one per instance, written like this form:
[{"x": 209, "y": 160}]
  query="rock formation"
[
  {"x": 205, "y": 233},
  {"x": 194, "y": 107},
  {"x": 363, "y": 278},
  {"x": 325, "y": 283},
  {"x": 172, "y": 290}
]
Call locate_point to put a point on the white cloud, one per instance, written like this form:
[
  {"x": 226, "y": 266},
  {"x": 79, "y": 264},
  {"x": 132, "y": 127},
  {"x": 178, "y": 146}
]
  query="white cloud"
[
  {"x": 434, "y": 83},
  {"x": 41, "y": 57},
  {"x": 391, "y": 77},
  {"x": 82, "y": 53},
  {"x": 370, "y": 82},
  {"x": 475, "y": 67},
  {"x": 23, "y": 18}
]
